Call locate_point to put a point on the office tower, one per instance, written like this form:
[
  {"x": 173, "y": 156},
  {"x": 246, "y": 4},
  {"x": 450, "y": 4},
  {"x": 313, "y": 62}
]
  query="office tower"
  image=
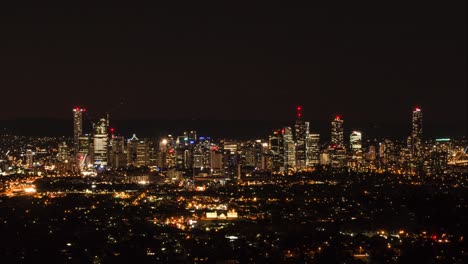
[
  {"x": 118, "y": 156},
  {"x": 276, "y": 147},
  {"x": 216, "y": 161},
  {"x": 84, "y": 143},
  {"x": 77, "y": 126},
  {"x": 142, "y": 154},
  {"x": 198, "y": 159},
  {"x": 313, "y": 151},
  {"x": 389, "y": 155},
  {"x": 230, "y": 146},
  {"x": 231, "y": 157},
  {"x": 100, "y": 143},
  {"x": 302, "y": 133},
  {"x": 248, "y": 154},
  {"x": 289, "y": 147},
  {"x": 416, "y": 134},
  {"x": 337, "y": 136},
  {"x": 83, "y": 154},
  {"x": 132, "y": 146},
  {"x": 181, "y": 155},
  {"x": 152, "y": 152},
  {"x": 62, "y": 154},
  {"x": 138, "y": 152},
  {"x": 355, "y": 140}
]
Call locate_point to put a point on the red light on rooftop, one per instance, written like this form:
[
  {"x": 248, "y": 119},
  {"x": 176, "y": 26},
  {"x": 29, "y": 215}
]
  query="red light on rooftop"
[
  {"x": 299, "y": 111},
  {"x": 112, "y": 130},
  {"x": 337, "y": 117},
  {"x": 77, "y": 109},
  {"x": 434, "y": 237},
  {"x": 417, "y": 109}
]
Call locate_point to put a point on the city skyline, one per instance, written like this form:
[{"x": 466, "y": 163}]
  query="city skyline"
[
  {"x": 230, "y": 133},
  {"x": 240, "y": 129}
]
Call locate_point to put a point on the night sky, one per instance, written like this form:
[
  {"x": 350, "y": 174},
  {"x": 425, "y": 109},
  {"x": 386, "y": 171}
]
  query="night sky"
[{"x": 369, "y": 63}]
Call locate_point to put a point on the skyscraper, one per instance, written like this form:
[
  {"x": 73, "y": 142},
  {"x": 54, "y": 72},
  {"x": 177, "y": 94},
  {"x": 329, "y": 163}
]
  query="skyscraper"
[
  {"x": 77, "y": 126},
  {"x": 337, "y": 136},
  {"x": 117, "y": 156},
  {"x": 100, "y": 142},
  {"x": 276, "y": 145},
  {"x": 289, "y": 147},
  {"x": 355, "y": 140},
  {"x": 416, "y": 134},
  {"x": 302, "y": 133},
  {"x": 132, "y": 149},
  {"x": 313, "y": 149}
]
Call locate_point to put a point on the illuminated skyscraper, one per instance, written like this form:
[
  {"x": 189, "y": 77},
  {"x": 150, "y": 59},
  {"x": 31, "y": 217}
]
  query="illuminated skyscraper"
[
  {"x": 100, "y": 142},
  {"x": 276, "y": 145},
  {"x": 355, "y": 140},
  {"x": 138, "y": 152},
  {"x": 302, "y": 133},
  {"x": 289, "y": 147},
  {"x": 416, "y": 134},
  {"x": 337, "y": 136},
  {"x": 313, "y": 149},
  {"x": 117, "y": 155},
  {"x": 132, "y": 149},
  {"x": 77, "y": 126},
  {"x": 62, "y": 154}
]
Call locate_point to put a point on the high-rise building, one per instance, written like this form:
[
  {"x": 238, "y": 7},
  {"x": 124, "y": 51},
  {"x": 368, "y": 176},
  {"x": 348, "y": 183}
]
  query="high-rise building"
[
  {"x": 302, "y": 133},
  {"x": 416, "y": 134},
  {"x": 313, "y": 149},
  {"x": 117, "y": 156},
  {"x": 276, "y": 146},
  {"x": 83, "y": 153},
  {"x": 132, "y": 147},
  {"x": 216, "y": 161},
  {"x": 355, "y": 140},
  {"x": 84, "y": 143},
  {"x": 138, "y": 152},
  {"x": 143, "y": 153},
  {"x": 77, "y": 126},
  {"x": 337, "y": 135},
  {"x": 289, "y": 147},
  {"x": 62, "y": 154},
  {"x": 100, "y": 143}
]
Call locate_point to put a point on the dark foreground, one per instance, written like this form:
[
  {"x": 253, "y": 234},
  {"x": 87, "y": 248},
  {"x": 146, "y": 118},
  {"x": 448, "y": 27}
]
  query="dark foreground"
[{"x": 321, "y": 217}]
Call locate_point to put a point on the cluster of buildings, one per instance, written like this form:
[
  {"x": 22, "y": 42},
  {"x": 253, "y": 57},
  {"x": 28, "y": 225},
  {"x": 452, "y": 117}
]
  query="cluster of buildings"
[{"x": 286, "y": 150}]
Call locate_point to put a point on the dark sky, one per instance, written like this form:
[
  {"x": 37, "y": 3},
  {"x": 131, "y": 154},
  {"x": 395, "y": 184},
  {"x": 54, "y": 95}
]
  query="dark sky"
[{"x": 370, "y": 62}]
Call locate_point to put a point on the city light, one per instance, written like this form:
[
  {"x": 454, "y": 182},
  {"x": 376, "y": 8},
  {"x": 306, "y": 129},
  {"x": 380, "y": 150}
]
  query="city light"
[{"x": 189, "y": 188}]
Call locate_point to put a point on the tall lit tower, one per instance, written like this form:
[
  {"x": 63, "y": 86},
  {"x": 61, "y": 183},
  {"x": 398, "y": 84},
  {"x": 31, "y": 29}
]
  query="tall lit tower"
[
  {"x": 355, "y": 140},
  {"x": 416, "y": 134},
  {"x": 289, "y": 147},
  {"x": 100, "y": 142},
  {"x": 77, "y": 126},
  {"x": 302, "y": 133},
  {"x": 337, "y": 135}
]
